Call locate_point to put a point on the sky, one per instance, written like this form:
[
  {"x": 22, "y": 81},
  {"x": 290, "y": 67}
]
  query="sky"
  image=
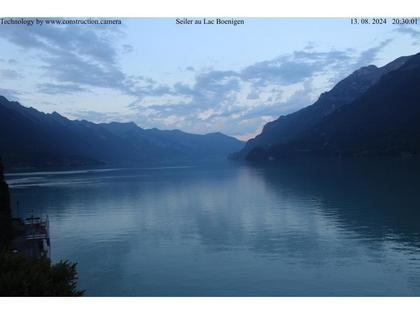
[{"x": 197, "y": 78}]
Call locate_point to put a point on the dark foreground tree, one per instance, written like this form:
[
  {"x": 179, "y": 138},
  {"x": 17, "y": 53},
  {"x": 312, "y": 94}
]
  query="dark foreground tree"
[
  {"x": 5, "y": 211},
  {"x": 21, "y": 276},
  {"x": 24, "y": 276}
]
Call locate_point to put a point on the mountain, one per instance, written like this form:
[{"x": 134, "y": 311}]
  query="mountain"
[
  {"x": 174, "y": 144},
  {"x": 29, "y": 138},
  {"x": 383, "y": 121},
  {"x": 289, "y": 127}
]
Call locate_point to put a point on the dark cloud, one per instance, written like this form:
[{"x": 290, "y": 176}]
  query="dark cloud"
[
  {"x": 369, "y": 56},
  {"x": 293, "y": 68},
  {"x": 280, "y": 71},
  {"x": 182, "y": 88},
  {"x": 309, "y": 46},
  {"x": 68, "y": 67},
  {"x": 79, "y": 40},
  {"x": 332, "y": 56},
  {"x": 8, "y": 74},
  {"x": 254, "y": 94},
  {"x": 212, "y": 86},
  {"x": 74, "y": 54},
  {"x": 53, "y": 89},
  {"x": 127, "y": 49},
  {"x": 408, "y": 30},
  {"x": 86, "y": 57},
  {"x": 415, "y": 34}
]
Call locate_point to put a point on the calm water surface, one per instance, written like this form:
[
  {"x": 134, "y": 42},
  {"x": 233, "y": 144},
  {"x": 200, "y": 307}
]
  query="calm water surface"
[{"x": 297, "y": 229}]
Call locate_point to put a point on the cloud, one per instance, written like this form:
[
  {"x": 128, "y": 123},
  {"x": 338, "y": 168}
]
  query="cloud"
[
  {"x": 76, "y": 59},
  {"x": 8, "y": 74},
  {"x": 69, "y": 67},
  {"x": 236, "y": 101},
  {"x": 408, "y": 30},
  {"x": 74, "y": 54},
  {"x": 369, "y": 56},
  {"x": 95, "y": 116},
  {"x": 414, "y": 34},
  {"x": 11, "y": 95},
  {"x": 294, "y": 68},
  {"x": 54, "y": 89},
  {"x": 81, "y": 58},
  {"x": 279, "y": 71},
  {"x": 127, "y": 49},
  {"x": 227, "y": 99}
]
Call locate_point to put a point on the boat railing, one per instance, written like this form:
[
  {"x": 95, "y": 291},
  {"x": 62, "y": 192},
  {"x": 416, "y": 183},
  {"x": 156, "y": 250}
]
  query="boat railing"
[{"x": 36, "y": 228}]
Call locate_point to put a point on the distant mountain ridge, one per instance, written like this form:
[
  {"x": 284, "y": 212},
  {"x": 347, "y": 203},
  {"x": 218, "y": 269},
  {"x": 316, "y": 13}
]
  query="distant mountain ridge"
[
  {"x": 288, "y": 128},
  {"x": 384, "y": 120},
  {"x": 29, "y": 138}
]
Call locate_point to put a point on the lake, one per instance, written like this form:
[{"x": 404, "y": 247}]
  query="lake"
[{"x": 300, "y": 228}]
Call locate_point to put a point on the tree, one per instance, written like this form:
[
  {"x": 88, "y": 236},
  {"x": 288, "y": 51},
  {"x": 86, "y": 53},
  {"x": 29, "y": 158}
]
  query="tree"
[
  {"x": 22, "y": 276},
  {"x": 5, "y": 211}
]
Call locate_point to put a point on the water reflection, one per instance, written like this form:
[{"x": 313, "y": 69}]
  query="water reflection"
[
  {"x": 377, "y": 199},
  {"x": 299, "y": 228}
]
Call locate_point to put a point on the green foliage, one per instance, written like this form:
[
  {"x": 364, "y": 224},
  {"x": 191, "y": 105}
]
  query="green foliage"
[{"x": 21, "y": 276}]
